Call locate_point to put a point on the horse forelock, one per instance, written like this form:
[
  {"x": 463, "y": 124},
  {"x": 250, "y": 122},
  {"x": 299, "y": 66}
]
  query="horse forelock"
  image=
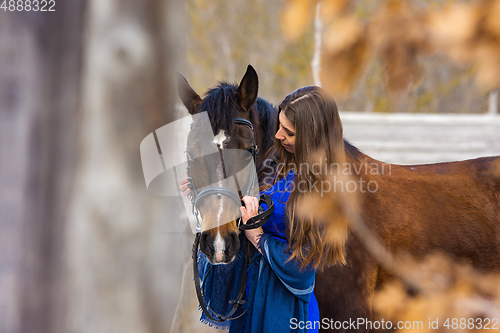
[
  {"x": 221, "y": 105},
  {"x": 267, "y": 114}
]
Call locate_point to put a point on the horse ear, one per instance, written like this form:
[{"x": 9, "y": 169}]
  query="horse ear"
[
  {"x": 188, "y": 96},
  {"x": 248, "y": 89}
]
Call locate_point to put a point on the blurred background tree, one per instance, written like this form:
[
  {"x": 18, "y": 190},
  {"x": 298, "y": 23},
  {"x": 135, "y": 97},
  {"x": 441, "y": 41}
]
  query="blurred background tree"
[
  {"x": 83, "y": 246},
  {"x": 222, "y": 37}
]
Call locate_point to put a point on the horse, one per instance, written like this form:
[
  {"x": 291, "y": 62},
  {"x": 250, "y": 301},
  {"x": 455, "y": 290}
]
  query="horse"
[
  {"x": 452, "y": 207},
  {"x": 240, "y": 120}
]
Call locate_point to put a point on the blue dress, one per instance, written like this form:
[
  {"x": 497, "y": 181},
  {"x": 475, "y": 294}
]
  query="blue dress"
[{"x": 280, "y": 295}]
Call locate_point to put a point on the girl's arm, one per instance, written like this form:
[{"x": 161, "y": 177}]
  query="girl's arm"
[{"x": 299, "y": 280}]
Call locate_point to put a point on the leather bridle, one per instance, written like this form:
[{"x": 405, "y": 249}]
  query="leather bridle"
[{"x": 254, "y": 222}]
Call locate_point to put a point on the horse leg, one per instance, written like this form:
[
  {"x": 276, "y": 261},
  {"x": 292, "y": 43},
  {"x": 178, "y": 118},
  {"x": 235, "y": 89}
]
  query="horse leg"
[{"x": 345, "y": 292}]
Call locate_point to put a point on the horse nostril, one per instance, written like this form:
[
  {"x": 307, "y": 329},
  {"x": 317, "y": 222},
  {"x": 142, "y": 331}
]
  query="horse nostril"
[
  {"x": 234, "y": 243},
  {"x": 206, "y": 243}
]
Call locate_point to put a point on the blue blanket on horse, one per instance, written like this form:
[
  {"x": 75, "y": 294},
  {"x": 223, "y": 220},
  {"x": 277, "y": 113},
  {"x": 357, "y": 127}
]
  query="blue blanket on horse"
[{"x": 280, "y": 295}]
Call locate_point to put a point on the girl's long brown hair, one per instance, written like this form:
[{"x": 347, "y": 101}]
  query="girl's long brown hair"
[{"x": 318, "y": 136}]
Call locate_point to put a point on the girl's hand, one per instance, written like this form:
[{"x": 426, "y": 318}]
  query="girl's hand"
[
  {"x": 251, "y": 209},
  {"x": 184, "y": 184}
]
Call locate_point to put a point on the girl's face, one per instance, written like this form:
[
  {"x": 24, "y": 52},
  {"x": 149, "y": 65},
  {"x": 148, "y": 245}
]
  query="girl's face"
[{"x": 286, "y": 133}]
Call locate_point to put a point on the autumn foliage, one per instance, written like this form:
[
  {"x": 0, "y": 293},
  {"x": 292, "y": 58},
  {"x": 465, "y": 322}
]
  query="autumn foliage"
[
  {"x": 396, "y": 34},
  {"x": 452, "y": 295}
]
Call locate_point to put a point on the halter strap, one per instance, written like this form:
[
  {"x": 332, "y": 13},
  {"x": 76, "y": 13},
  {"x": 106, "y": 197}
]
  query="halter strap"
[
  {"x": 216, "y": 190},
  {"x": 254, "y": 150},
  {"x": 243, "y": 121}
]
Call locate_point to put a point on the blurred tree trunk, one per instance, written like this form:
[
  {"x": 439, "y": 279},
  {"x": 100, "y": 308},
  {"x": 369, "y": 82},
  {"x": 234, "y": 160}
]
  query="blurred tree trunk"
[
  {"x": 80, "y": 249},
  {"x": 123, "y": 273},
  {"x": 40, "y": 72},
  {"x": 316, "y": 60}
]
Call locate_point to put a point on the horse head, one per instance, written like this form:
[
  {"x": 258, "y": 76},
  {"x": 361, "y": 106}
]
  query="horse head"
[{"x": 235, "y": 135}]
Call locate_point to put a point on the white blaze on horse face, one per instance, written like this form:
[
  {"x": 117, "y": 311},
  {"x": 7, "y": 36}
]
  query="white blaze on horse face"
[
  {"x": 219, "y": 247},
  {"x": 220, "y": 138},
  {"x": 219, "y": 242}
]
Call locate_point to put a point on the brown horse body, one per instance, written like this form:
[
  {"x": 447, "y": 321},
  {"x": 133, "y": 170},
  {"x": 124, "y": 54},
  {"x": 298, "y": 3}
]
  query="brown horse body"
[{"x": 449, "y": 207}]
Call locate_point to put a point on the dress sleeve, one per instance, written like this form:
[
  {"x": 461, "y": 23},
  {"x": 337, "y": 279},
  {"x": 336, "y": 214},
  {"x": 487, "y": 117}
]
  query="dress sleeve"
[{"x": 299, "y": 282}]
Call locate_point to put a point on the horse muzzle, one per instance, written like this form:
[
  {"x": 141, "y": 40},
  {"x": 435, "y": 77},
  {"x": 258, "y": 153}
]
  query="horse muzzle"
[{"x": 220, "y": 246}]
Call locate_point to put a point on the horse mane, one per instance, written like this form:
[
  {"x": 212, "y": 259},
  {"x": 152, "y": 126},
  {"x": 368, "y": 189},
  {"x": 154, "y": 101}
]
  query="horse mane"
[
  {"x": 267, "y": 115},
  {"x": 221, "y": 97},
  {"x": 351, "y": 151}
]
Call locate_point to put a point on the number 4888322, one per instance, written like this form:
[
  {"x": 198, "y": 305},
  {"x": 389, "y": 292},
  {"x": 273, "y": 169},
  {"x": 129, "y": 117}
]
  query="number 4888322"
[
  {"x": 28, "y": 5},
  {"x": 470, "y": 323}
]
